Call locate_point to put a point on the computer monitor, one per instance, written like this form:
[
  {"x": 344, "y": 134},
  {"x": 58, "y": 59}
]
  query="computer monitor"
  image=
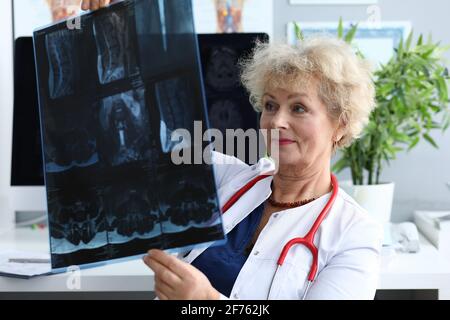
[
  {"x": 27, "y": 180},
  {"x": 227, "y": 100},
  {"x": 26, "y": 166}
]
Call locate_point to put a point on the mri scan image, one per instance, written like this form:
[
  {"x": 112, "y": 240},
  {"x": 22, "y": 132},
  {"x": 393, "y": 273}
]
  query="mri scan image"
[
  {"x": 225, "y": 114},
  {"x": 77, "y": 220},
  {"x": 133, "y": 212},
  {"x": 222, "y": 73},
  {"x": 113, "y": 190},
  {"x": 125, "y": 127},
  {"x": 187, "y": 202},
  {"x": 61, "y": 55},
  {"x": 115, "y": 49},
  {"x": 173, "y": 100},
  {"x": 228, "y": 102}
]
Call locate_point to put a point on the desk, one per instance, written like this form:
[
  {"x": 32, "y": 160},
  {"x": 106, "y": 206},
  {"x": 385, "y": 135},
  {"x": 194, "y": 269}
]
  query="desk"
[
  {"x": 424, "y": 270},
  {"x": 119, "y": 277}
]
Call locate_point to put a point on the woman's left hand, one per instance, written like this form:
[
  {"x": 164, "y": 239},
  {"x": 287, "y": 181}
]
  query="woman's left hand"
[{"x": 178, "y": 280}]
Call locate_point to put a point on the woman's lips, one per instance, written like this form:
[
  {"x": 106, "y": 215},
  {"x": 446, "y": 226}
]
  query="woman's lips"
[{"x": 283, "y": 142}]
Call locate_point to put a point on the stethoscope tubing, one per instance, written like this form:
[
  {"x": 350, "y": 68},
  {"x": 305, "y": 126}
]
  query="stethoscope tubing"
[{"x": 307, "y": 240}]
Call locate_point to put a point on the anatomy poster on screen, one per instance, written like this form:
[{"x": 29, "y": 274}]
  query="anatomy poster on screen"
[
  {"x": 230, "y": 16},
  {"x": 107, "y": 113}
]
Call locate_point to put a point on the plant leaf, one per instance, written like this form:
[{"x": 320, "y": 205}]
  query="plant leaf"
[
  {"x": 298, "y": 32},
  {"x": 408, "y": 41},
  {"x": 420, "y": 41},
  {"x": 351, "y": 33},
  {"x": 340, "y": 29},
  {"x": 427, "y": 137},
  {"x": 443, "y": 89}
]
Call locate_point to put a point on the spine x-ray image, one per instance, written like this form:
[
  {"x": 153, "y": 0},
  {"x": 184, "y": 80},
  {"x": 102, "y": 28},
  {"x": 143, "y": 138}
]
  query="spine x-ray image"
[
  {"x": 61, "y": 58},
  {"x": 110, "y": 98},
  {"x": 115, "y": 47}
]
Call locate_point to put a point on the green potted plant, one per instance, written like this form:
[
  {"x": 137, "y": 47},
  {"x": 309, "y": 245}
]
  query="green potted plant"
[{"x": 412, "y": 100}]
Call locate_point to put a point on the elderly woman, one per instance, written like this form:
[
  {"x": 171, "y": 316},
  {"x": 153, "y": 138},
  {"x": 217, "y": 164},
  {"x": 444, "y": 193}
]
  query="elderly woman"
[{"x": 319, "y": 96}]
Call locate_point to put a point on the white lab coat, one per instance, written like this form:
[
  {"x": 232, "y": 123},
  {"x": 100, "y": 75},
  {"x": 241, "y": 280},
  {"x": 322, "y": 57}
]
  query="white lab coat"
[{"x": 349, "y": 241}]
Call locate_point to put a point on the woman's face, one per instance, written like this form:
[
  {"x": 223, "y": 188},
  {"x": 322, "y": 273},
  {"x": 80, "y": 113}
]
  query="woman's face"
[{"x": 306, "y": 131}]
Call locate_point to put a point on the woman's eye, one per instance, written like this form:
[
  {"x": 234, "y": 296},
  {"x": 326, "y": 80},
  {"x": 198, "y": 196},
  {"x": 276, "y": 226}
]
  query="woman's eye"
[
  {"x": 269, "y": 106},
  {"x": 298, "y": 108}
]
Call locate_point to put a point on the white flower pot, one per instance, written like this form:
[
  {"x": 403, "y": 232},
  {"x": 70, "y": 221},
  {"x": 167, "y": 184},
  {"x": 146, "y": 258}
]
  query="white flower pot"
[{"x": 376, "y": 199}]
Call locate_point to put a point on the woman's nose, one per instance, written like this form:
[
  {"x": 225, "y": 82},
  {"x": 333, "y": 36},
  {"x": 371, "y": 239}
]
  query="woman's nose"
[{"x": 280, "y": 120}]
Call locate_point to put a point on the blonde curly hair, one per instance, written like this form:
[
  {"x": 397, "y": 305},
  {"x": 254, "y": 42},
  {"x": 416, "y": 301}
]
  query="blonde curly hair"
[{"x": 345, "y": 80}]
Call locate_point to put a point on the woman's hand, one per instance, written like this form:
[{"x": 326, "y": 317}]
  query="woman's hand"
[
  {"x": 178, "y": 280},
  {"x": 94, "y": 4}
]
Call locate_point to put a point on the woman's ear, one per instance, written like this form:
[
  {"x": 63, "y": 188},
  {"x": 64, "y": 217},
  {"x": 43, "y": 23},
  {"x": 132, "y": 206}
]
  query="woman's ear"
[{"x": 341, "y": 128}]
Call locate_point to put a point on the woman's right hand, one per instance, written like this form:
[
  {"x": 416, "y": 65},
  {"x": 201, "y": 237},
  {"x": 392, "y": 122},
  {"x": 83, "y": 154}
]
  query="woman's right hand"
[{"x": 94, "y": 4}]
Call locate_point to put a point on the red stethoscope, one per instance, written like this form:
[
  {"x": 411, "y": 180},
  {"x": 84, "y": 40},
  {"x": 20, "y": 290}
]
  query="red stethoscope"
[{"x": 307, "y": 240}]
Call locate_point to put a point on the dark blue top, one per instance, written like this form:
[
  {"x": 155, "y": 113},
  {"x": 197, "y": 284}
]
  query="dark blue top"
[{"x": 222, "y": 264}]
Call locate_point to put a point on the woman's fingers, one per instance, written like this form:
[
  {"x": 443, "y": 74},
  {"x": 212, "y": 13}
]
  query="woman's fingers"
[
  {"x": 94, "y": 4},
  {"x": 104, "y": 3},
  {"x": 171, "y": 262},
  {"x": 162, "y": 272},
  {"x": 86, "y": 4},
  {"x": 164, "y": 288},
  {"x": 161, "y": 296}
]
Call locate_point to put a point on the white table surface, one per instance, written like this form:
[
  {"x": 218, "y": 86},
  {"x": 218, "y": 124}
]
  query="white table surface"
[
  {"x": 427, "y": 269},
  {"x": 122, "y": 276}
]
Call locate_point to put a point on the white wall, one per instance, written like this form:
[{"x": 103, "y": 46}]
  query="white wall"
[
  {"x": 420, "y": 175},
  {"x": 6, "y": 101}
]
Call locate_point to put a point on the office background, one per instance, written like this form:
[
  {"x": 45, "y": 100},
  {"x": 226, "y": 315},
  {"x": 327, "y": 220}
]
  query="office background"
[{"x": 419, "y": 175}]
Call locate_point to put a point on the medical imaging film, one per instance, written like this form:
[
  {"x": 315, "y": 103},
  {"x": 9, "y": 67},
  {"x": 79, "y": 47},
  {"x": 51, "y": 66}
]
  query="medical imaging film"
[{"x": 111, "y": 95}]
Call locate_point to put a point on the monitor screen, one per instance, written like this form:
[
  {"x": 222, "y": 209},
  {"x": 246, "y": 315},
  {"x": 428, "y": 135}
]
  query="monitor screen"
[
  {"x": 227, "y": 100},
  {"x": 111, "y": 93},
  {"x": 26, "y": 166}
]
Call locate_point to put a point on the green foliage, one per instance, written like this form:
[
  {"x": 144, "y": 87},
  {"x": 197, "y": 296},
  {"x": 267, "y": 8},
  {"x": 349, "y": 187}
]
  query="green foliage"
[{"x": 411, "y": 93}]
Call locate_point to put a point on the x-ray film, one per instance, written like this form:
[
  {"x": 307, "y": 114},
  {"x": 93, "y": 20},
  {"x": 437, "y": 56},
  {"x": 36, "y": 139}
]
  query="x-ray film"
[{"x": 111, "y": 94}]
